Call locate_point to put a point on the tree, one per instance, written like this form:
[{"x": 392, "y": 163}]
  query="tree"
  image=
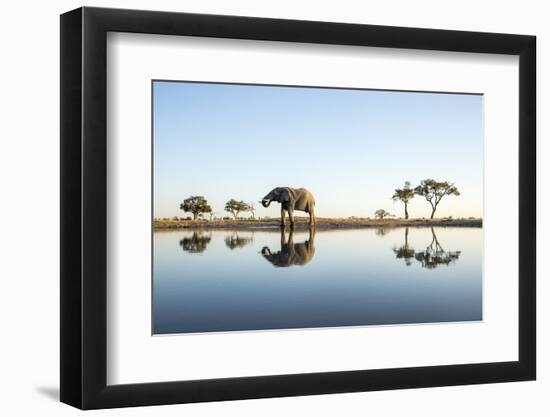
[
  {"x": 433, "y": 191},
  {"x": 252, "y": 209},
  {"x": 195, "y": 205},
  {"x": 235, "y": 207},
  {"x": 404, "y": 195},
  {"x": 381, "y": 213}
]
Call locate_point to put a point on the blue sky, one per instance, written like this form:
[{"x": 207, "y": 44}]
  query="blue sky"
[{"x": 350, "y": 148}]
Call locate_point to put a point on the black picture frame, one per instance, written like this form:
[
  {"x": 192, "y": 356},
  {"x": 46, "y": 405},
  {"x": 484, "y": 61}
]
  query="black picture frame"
[{"x": 84, "y": 207}]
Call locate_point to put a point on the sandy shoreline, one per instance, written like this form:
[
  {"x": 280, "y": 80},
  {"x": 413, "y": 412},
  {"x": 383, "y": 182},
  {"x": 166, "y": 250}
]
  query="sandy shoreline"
[{"x": 322, "y": 223}]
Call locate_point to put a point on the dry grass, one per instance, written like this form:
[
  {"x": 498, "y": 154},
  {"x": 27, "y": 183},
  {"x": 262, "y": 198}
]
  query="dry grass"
[{"x": 322, "y": 223}]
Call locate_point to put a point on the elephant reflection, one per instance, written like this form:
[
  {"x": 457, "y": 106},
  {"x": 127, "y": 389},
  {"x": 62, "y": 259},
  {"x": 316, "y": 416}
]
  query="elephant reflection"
[
  {"x": 435, "y": 255},
  {"x": 196, "y": 243},
  {"x": 235, "y": 241},
  {"x": 291, "y": 253},
  {"x": 405, "y": 252}
]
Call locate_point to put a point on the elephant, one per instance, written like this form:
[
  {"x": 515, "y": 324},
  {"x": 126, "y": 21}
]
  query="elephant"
[
  {"x": 291, "y": 253},
  {"x": 292, "y": 199}
]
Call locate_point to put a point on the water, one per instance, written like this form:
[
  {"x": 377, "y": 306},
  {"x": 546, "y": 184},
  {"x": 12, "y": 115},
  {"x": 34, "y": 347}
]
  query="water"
[{"x": 222, "y": 280}]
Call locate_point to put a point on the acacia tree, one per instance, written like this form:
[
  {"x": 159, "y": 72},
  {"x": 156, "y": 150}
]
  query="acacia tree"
[
  {"x": 434, "y": 191},
  {"x": 381, "y": 213},
  {"x": 404, "y": 195},
  {"x": 235, "y": 207},
  {"x": 252, "y": 209},
  {"x": 196, "y": 205}
]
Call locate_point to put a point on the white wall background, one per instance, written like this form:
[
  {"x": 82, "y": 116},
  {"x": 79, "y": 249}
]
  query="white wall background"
[{"x": 29, "y": 175}]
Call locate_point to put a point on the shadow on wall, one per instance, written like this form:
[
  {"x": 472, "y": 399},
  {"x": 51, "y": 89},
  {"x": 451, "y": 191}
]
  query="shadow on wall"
[{"x": 49, "y": 392}]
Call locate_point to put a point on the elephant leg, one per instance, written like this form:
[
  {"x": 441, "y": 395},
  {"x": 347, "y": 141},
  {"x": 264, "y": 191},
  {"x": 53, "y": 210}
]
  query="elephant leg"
[
  {"x": 311, "y": 217},
  {"x": 290, "y": 240},
  {"x": 311, "y": 239},
  {"x": 282, "y": 217},
  {"x": 291, "y": 217}
]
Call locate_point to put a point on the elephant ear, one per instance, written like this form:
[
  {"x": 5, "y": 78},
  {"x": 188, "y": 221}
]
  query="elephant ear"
[{"x": 285, "y": 196}]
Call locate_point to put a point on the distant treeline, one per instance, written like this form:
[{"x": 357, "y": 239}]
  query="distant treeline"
[
  {"x": 431, "y": 190},
  {"x": 198, "y": 206}
]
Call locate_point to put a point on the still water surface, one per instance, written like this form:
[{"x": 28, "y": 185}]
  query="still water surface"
[{"x": 222, "y": 280}]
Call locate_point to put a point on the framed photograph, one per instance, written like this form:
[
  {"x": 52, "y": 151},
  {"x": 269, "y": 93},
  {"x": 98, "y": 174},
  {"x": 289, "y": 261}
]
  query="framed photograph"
[{"x": 258, "y": 208}]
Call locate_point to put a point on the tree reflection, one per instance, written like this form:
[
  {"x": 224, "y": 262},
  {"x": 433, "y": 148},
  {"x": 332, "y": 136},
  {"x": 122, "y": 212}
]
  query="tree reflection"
[
  {"x": 234, "y": 241},
  {"x": 383, "y": 231},
  {"x": 405, "y": 252},
  {"x": 196, "y": 243},
  {"x": 291, "y": 253},
  {"x": 433, "y": 256}
]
